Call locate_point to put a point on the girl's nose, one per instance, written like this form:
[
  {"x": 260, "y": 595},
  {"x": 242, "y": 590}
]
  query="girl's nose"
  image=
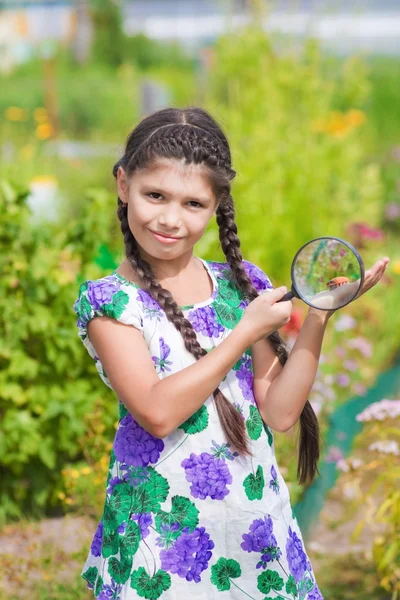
[{"x": 170, "y": 218}]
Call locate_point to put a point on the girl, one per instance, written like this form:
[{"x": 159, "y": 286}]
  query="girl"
[{"x": 195, "y": 503}]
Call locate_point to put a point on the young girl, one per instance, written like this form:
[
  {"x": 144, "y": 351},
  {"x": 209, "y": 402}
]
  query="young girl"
[{"x": 195, "y": 504}]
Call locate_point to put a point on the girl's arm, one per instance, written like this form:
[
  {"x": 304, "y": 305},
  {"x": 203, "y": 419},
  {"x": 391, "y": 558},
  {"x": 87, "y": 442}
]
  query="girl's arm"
[{"x": 281, "y": 392}]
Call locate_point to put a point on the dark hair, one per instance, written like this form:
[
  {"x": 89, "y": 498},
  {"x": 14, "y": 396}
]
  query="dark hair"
[{"x": 193, "y": 135}]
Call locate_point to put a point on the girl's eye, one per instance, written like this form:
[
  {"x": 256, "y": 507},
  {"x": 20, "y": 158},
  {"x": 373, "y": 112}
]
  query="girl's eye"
[
  {"x": 154, "y": 195},
  {"x": 198, "y": 205}
]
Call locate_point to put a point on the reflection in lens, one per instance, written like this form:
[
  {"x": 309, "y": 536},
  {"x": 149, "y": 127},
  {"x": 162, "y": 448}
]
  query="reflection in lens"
[{"x": 327, "y": 273}]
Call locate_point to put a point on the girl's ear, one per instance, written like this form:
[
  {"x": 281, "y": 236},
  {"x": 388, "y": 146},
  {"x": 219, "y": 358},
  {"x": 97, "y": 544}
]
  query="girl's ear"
[{"x": 122, "y": 184}]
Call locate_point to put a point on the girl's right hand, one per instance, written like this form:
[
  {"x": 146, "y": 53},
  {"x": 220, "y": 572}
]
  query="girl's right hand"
[{"x": 265, "y": 314}]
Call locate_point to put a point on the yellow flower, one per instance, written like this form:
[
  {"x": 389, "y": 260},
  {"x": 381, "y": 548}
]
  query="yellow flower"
[
  {"x": 68, "y": 501},
  {"x": 86, "y": 470},
  {"x": 14, "y": 113},
  {"x": 355, "y": 117},
  {"x": 61, "y": 495},
  {"x": 338, "y": 123},
  {"x": 27, "y": 152},
  {"x": 40, "y": 115},
  {"x": 44, "y": 131},
  {"x": 74, "y": 473},
  {"x": 396, "y": 267}
]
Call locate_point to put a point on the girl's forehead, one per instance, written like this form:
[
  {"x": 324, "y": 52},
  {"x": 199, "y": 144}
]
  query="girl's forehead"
[{"x": 175, "y": 173}]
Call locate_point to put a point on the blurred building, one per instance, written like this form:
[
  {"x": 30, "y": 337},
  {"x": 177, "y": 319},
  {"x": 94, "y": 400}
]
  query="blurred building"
[{"x": 368, "y": 25}]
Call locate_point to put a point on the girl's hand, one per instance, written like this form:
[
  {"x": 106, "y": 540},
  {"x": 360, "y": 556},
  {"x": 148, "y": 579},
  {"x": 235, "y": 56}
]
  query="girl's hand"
[
  {"x": 265, "y": 314},
  {"x": 373, "y": 275}
]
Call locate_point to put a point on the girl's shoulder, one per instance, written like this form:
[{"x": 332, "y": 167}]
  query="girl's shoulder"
[
  {"x": 257, "y": 276},
  {"x": 112, "y": 296}
]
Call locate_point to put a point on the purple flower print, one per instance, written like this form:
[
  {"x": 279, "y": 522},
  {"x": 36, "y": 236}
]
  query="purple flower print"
[
  {"x": 110, "y": 592},
  {"x": 150, "y": 306},
  {"x": 144, "y": 520},
  {"x": 168, "y": 534},
  {"x": 274, "y": 483},
  {"x": 209, "y": 476},
  {"x": 315, "y": 594},
  {"x": 113, "y": 482},
  {"x": 95, "y": 548},
  {"x": 258, "y": 278},
  {"x": 162, "y": 363},
  {"x": 121, "y": 528},
  {"x": 222, "y": 451},
  {"x": 134, "y": 446},
  {"x": 261, "y": 539},
  {"x": 101, "y": 292},
  {"x": 245, "y": 379},
  {"x": 204, "y": 320},
  {"x": 189, "y": 555},
  {"x": 296, "y": 557}
]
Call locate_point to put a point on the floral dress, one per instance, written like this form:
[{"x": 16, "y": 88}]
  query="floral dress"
[{"x": 185, "y": 516}]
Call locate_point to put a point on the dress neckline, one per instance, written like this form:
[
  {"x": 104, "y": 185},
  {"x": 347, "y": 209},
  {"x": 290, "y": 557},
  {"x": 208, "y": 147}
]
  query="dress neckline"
[{"x": 185, "y": 307}]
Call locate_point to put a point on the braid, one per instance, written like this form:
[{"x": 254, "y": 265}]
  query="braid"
[
  {"x": 231, "y": 421},
  {"x": 309, "y": 428}
]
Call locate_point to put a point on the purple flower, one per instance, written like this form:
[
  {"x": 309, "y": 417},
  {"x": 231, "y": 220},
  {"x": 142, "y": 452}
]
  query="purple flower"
[
  {"x": 315, "y": 594},
  {"x": 209, "y": 476},
  {"x": 343, "y": 379},
  {"x": 168, "y": 534},
  {"x": 95, "y": 548},
  {"x": 113, "y": 482},
  {"x": 110, "y": 592},
  {"x": 121, "y": 528},
  {"x": 261, "y": 539},
  {"x": 133, "y": 445},
  {"x": 189, "y": 555},
  {"x": 274, "y": 484},
  {"x": 245, "y": 379},
  {"x": 296, "y": 557},
  {"x": 162, "y": 363},
  {"x": 101, "y": 292},
  {"x": 204, "y": 320},
  {"x": 144, "y": 520},
  {"x": 258, "y": 278},
  {"x": 150, "y": 306},
  {"x": 222, "y": 451}
]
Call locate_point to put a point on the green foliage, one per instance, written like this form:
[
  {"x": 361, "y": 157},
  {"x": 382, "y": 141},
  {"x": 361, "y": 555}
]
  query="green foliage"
[
  {"x": 301, "y": 161},
  {"x": 46, "y": 389},
  {"x": 108, "y": 43}
]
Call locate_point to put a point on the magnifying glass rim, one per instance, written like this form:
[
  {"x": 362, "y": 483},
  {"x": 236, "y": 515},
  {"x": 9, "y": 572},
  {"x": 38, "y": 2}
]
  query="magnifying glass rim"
[{"x": 328, "y": 237}]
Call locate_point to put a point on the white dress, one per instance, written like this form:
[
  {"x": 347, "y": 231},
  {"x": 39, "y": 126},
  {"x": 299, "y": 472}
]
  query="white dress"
[{"x": 185, "y": 516}]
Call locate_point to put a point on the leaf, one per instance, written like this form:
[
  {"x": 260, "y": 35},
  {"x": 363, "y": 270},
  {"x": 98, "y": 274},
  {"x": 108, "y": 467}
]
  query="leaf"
[
  {"x": 197, "y": 422},
  {"x": 120, "y": 569},
  {"x": 269, "y": 581},
  {"x": 148, "y": 496},
  {"x": 183, "y": 511},
  {"x": 90, "y": 575},
  {"x": 150, "y": 587},
  {"x": 226, "y": 315},
  {"x": 110, "y": 543},
  {"x": 254, "y": 423},
  {"x": 291, "y": 587},
  {"x": 117, "y": 306},
  {"x": 254, "y": 485},
  {"x": 121, "y": 501},
  {"x": 129, "y": 542},
  {"x": 98, "y": 586},
  {"x": 224, "y": 570},
  {"x": 269, "y": 434}
]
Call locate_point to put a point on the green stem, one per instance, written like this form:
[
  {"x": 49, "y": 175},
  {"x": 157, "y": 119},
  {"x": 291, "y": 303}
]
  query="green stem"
[
  {"x": 174, "y": 450},
  {"x": 239, "y": 588},
  {"x": 284, "y": 570}
]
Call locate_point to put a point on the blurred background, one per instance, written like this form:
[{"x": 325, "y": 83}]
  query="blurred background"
[{"x": 308, "y": 93}]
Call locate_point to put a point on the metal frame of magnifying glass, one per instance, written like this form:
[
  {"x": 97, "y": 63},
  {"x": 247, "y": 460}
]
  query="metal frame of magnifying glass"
[{"x": 327, "y": 237}]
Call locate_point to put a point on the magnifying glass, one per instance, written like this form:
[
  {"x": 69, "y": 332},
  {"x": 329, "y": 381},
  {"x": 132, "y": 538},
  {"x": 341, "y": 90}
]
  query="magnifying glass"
[{"x": 327, "y": 273}]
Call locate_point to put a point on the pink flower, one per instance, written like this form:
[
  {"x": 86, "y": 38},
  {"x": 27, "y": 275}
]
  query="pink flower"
[
  {"x": 362, "y": 345},
  {"x": 345, "y": 322},
  {"x": 392, "y": 211},
  {"x": 350, "y": 365},
  {"x": 386, "y": 447},
  {"x": 334, "y": 454},
  {"x": 359, "y": 389},
  {"x": 378, "y": 411},
  {"x": 343, "y": 380}
]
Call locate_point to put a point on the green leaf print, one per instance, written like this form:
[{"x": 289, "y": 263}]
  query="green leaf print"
[
  {"x": 98, "y": 586},
  {"x": 83, "y": 309},
  {"x": 223, "y": 571},
  {"x": 120, "y": 502},
  {"x": 291, "y": 587},
  {"x": 254, "y": 484},
  {"x": 226, "y": 315},
  {"x": 112, "y": 459},
  {"x": 269, "y": 434},
  {"x": 120, "y": 569},
  {"x": 254, "y": 423},
  {"x": 269, "y": 581},
  {"x": 197, "y": 422},
  {"x": 119, "y": 301},
  {"x": 150, "y": 587},
  {"x": 149, "y": 495},
  {"x": 129, "y": 542},
  {"x": 90, "y": 575},
  {"x": 183, "y": 511},
  {"x": 110, "y": 543},
  {"x": 229, "y": 293}
]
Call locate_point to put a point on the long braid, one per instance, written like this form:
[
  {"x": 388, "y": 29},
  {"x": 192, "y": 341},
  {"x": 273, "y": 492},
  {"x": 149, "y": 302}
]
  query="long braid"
[
  {"x": 231, "y": 421},
  {"x": 309, "y": 427}
]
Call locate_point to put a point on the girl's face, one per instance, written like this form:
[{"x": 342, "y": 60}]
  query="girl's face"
[{"x": 169, "y": 199}]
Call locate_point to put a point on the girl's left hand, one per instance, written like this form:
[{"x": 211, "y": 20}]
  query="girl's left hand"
[{"x": 373, "y": 275}]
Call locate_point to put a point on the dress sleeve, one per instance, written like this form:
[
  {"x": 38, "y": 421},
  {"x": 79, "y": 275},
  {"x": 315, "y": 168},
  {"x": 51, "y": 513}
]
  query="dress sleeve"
[
  {"x": 258, "y": 278},
  {"x": 106, "y": 297}
]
